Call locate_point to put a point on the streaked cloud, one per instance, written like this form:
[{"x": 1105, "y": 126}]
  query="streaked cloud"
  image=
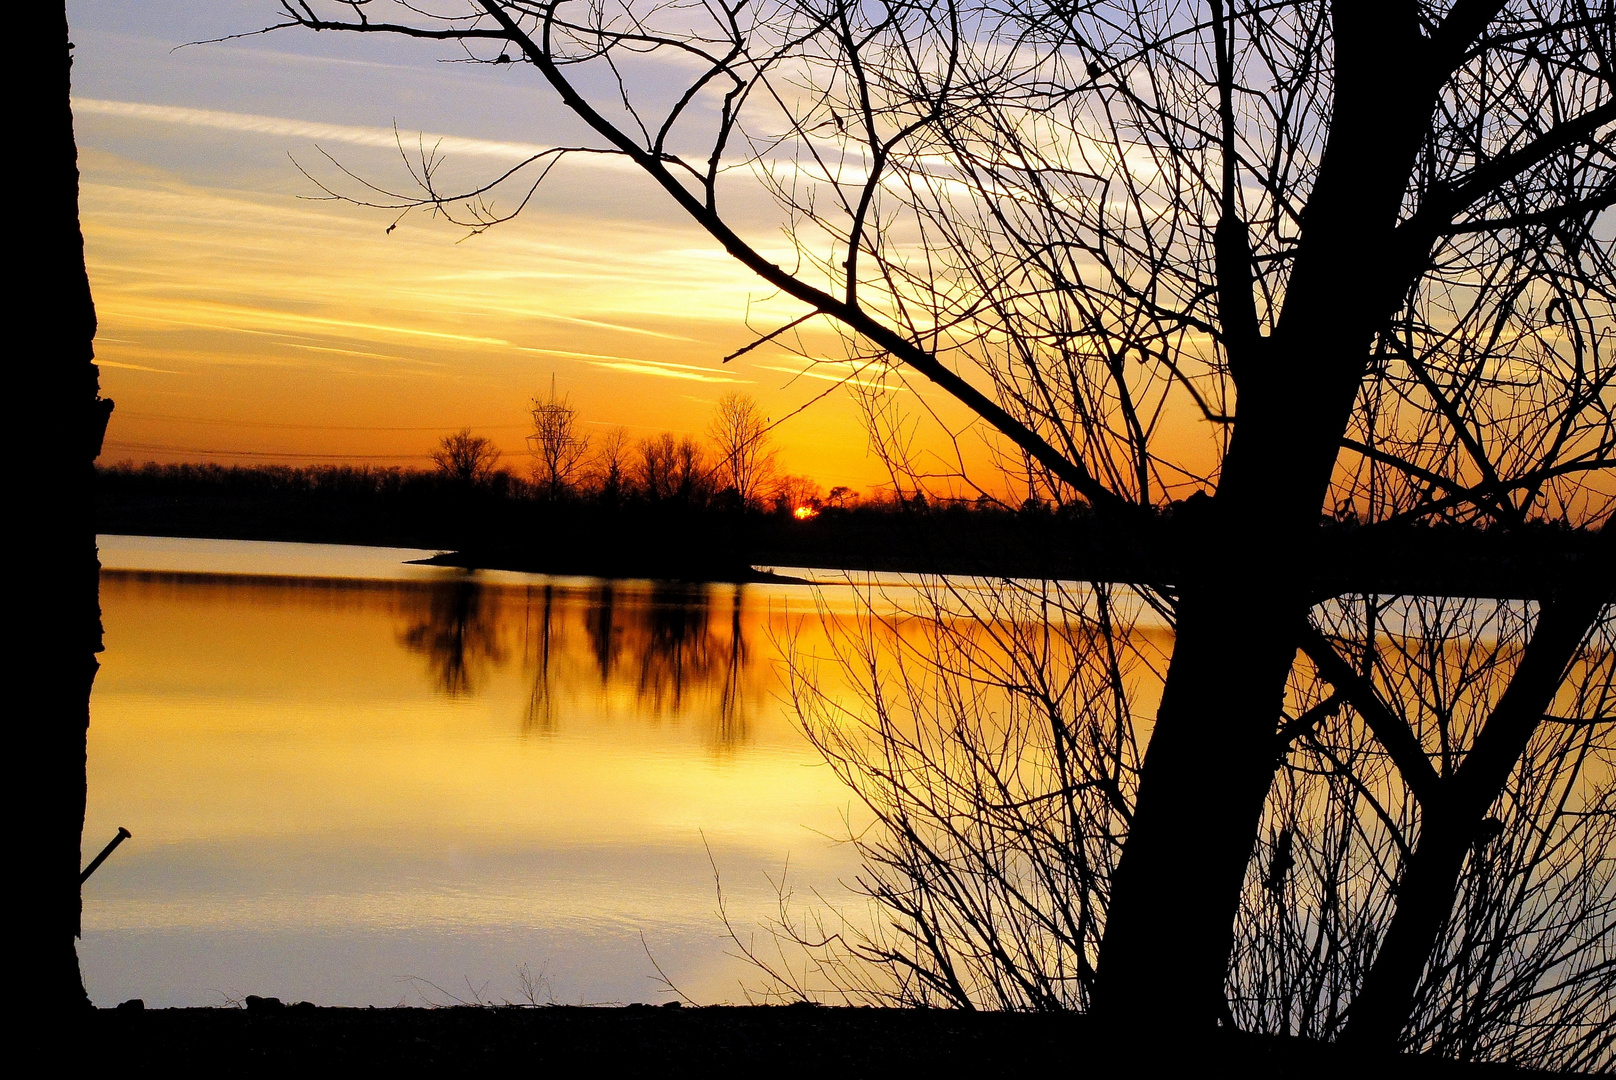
[
  {"x": 662, "y": 369},
  {"x": 849, "y": 379},
  {"x": 137, "y": 367},
  {"x": 208, "y": 316},
  {"x": 348, "y": 352},
  {"x": 285, "y": 313},
  {"x": 283, "y": 127}
]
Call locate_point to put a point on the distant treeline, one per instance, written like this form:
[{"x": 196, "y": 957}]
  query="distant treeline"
[
  {"x": 732, "y": 466},
  {"x": 664, "y": 516},
  {"x": 698, "y": 531}
]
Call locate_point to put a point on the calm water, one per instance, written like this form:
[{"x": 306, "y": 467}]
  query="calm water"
[{"x": 352, "y": 780}]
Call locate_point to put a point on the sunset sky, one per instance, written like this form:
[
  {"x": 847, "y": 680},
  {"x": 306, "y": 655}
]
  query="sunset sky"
[{"x": 243, "y": 321}]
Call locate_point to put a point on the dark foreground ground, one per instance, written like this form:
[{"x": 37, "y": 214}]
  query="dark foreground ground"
[{"x": 831, "y": 1043}]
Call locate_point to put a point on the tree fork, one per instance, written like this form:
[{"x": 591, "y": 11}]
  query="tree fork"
[
  {"x": 1454, "y": 814},
  {"x": 1210, "y": 761}
]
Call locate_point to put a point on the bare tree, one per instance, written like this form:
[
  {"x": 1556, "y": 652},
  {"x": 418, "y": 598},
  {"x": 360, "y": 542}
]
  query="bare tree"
[
  {"x": 1522, "y": 963},
  {"x": 692, "y": 475},
  {"x": 466, "y": 458},
  {"x": 740, "y": 436},
  {"x": 610, "y": 466},
  {"x": 560, "y": 451},
  {"x": 1291, "y": 257},
  {"x": 673, "y": 468},
  {"x": 997, "y": 741},
  {"x": 655, "y": 467}
]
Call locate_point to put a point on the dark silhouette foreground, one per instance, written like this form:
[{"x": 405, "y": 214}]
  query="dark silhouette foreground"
[
  {"x": 724, "y": 1041},
  {"x": 56, "y": 392}
]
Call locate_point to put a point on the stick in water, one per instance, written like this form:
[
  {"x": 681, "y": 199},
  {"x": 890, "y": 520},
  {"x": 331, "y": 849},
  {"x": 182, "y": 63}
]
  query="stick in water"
[{"x": 123, "y": 834}]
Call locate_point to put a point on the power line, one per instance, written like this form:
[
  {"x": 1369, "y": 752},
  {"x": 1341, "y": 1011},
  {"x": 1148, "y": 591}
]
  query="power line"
[
  {"x": 260, "y": 453},
  {"x": 310, "y": 427}
]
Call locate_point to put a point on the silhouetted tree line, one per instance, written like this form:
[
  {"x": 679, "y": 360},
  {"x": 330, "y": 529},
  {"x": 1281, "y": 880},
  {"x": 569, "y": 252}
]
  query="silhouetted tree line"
[{"x": 494, "y": 518}]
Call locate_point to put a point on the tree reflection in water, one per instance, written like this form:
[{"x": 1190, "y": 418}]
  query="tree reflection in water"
[
  {"x": 458, "y": 633},
  {"x": 541, "y": 701},
  {"x": 603, "y": 633},
  {"x": 661, "y": 651},
  {"x": 733, "y": 721},
  {"x": 676, "y": 653}
]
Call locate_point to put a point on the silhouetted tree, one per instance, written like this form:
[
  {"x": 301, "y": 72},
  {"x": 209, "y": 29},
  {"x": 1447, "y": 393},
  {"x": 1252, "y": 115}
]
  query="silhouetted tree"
[
  {"x": 692, "y": 476},
  {"x": 740, "y": 435},
  {"x": 58, "y": 407},
  {"x": 559, "y": 449},
  {"x": 996, "y": 737},
  {"x": 672, "y": 469},
  {"x": 1287, "y": 257},
  {"x": 655, "y": 466},
  {"x": 1518, "y": 964},
  {"x": 465, "y": 458},
  {"x": 610, "y": 468}
]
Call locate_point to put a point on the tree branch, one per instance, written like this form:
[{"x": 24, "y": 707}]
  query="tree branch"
[
  {"x": 1391, "y": 732},
  {"x": 1073, "y": 473},
  {"x": 1432, "y": 220},
  {"x": 1561, "y": 629},
  {"x": 1594, "y": 204}
]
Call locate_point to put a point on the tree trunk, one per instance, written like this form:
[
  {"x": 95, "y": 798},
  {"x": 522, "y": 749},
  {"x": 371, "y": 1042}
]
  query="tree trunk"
[
  {"x": 1213, "y": 754},
  {"x": 1429, "y": 883},
  {"x": 1206, "y": 776},
  {"x": 59, "y": 399}
]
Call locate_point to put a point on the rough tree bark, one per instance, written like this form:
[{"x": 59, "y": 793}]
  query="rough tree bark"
[{"x": 61, "y": 409}]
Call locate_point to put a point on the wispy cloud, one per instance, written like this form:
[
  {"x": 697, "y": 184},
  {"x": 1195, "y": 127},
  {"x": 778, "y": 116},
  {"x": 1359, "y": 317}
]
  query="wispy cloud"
[
  {"x": 242, "y": 320},
  {"x": 651, "y": 367},
  {"x": 350, "y": 134},
  {"x": 850, "y": 379},
  {"x": 349, "y": 352},
  {"x": 138, "y": 367},
  {"x": 611, "y": 326},
  {"x": 662, "y": 369}
]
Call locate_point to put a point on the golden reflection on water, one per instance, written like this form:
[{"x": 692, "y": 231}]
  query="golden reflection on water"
[
  {"x": 656, "y": 651},
  {"x": 335, "y": 785}
]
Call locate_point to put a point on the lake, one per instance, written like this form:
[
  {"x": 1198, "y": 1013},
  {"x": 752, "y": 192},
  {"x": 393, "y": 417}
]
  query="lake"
[{"x": 357, "y": 781}]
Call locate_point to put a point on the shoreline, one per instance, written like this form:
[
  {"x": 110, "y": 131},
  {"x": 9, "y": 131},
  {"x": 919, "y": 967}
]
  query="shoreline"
[
  {"x": 1473, "y": 566},
  {"x": 641, "y": 1040}
]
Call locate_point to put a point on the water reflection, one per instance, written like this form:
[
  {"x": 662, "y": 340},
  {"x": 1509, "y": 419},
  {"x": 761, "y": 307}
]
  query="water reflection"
[
  {"x": 458, "y": 632},
  {"x": 732, "y": 702},
  {"x": 541, "y": 711},
  {"x": 340, "y": 783},
  {"x": 665, "y": 651}
]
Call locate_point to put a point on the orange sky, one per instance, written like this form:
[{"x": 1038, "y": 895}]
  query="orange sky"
[{"x": 242, "y": 321}]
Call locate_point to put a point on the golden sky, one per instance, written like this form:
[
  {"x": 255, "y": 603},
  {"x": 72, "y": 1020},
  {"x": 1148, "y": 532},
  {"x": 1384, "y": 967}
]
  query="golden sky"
[{"x": 242, "y": 320}]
